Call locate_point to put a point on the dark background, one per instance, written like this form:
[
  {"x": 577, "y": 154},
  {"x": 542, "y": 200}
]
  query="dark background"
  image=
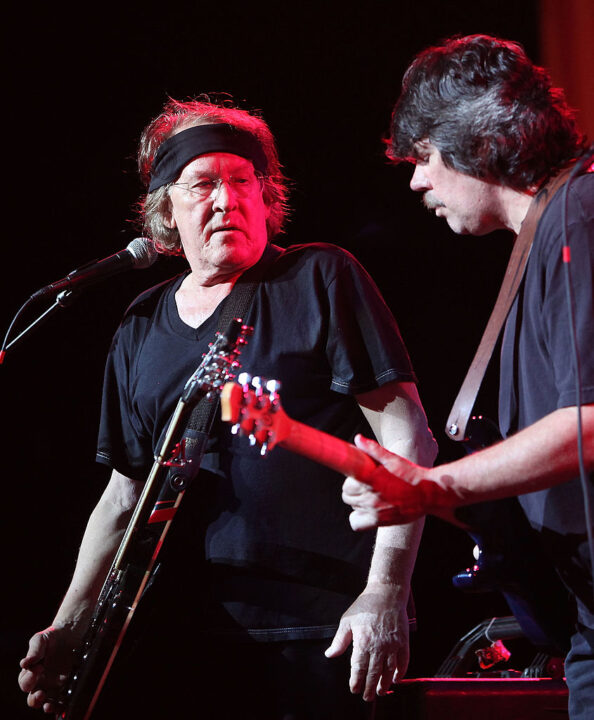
[{"x": 79, "y": 90}]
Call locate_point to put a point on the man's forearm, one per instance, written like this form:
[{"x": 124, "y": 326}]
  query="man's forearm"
[
  {"x": 103, "y": 534},
  {"x": 394, "y": 556},
  {"x": 400, "y": 425},
  {"x": 540, "y": 456}
]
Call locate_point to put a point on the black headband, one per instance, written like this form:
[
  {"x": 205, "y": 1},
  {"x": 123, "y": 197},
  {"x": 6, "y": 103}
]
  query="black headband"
[{"x": 177, "y": 151}]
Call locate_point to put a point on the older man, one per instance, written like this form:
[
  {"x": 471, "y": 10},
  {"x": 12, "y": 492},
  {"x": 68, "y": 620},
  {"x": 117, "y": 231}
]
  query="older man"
[
  {"x": 486, "y": 131},
  {"x": 262, "y": 566}
]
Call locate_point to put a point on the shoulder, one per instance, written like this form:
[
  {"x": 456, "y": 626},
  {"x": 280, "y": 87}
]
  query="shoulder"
[
  {"x": 319, "y": 257},
  {"x": 581, "y": 196},
  {"x": 138, "y": 317},
  {"x": 578, "y": 195},
  {"x": 146, "y": 303},
  {"x": 329, "y": 274},
  {"x": 572, "y": 210}
]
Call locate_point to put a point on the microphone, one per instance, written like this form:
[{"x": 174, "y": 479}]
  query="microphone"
[{"x": 139, "y": 254}]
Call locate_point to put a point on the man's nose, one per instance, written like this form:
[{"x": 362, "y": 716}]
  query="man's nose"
[
  {"x": 224, "y": 196},
  {"x": 419, "y": 179}
]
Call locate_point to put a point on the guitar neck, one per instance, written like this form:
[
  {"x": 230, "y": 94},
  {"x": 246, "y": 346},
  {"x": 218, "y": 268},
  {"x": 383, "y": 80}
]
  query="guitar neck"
[{"x": 326, "y": 450}]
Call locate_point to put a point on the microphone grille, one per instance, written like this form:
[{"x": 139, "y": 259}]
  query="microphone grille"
[{"x": 143, "y": 252}]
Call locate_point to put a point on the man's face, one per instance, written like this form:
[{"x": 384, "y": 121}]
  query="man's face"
[
  {"x": 218, "y": 209},
  {"x": 469, "y": 205}
]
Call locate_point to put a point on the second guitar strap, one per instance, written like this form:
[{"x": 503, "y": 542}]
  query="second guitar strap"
[{"x": 464, "y": 403}]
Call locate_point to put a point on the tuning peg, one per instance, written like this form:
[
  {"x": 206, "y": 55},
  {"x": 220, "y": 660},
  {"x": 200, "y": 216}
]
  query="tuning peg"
[
  {"x": 252, "y": 439},
  {"x": 264, "y": 449},
  {"x": 273, "y": 386},
  {"x": 244, "y": 378},
  {"x": 259, "y": 384},
  {"x": 235, "y": 429}
]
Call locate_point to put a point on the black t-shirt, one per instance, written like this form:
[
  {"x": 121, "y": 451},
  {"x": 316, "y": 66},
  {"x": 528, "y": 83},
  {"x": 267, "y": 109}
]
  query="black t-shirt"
[
  {"x": 270, "y": 534},
  {"x": 538, "y": 371}
]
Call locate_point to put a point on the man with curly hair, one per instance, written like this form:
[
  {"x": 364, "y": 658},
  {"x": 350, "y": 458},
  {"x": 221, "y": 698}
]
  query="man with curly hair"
[
  {"x": 262, "y": 570},
  {"x": 486, "y": 131}
]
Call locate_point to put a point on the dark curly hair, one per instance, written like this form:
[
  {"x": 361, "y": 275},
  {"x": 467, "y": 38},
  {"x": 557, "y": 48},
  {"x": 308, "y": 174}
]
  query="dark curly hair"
[
  {"x": 176, "y": 116},
  {"x": 488, "y": 109}
]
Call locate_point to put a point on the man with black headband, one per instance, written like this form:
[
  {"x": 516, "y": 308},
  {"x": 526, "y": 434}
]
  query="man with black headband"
[
  {"x": 487, "y": 133},
  {"x": 262, "y": 573}
]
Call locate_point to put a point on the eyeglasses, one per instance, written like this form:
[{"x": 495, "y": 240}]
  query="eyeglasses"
[{"x": 205, "y": 188}]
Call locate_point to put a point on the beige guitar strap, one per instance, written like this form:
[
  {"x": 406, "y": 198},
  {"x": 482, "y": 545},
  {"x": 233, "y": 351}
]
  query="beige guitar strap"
[{"x": 464, "y": 403}]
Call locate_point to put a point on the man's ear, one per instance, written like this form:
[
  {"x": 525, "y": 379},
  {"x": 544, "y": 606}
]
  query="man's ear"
[{"x": 169, "y": 218}]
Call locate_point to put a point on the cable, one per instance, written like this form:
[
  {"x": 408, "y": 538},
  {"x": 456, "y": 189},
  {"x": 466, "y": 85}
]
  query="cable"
[{"x": 15, "y": 318}]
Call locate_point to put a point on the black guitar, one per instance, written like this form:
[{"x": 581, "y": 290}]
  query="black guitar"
[
  {"x": 175, "y": 466},
  {"x": 512, "y": 560}
]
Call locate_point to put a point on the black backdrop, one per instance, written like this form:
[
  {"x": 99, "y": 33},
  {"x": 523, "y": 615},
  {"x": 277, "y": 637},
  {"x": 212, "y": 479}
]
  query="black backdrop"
[{"x": 80, "y": 87}]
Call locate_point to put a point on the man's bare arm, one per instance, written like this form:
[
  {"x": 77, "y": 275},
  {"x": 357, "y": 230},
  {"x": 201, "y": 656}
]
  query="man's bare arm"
[
  {"x": 377, "y": 622},
  {"x": 49, "y": 656},
  {"x": 540, "y": 456}
]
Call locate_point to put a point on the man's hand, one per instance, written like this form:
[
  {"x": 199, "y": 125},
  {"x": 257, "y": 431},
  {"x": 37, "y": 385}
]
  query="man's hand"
[
  {"x": 46, "y": 666},
  {"x": 377, "y": 625},
  {"x": 50, "y": 656},
  {"x": 398, "y": 491}
]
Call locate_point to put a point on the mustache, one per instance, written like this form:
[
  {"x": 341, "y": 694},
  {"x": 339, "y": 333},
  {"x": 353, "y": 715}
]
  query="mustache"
[{"x": 431, "y": 202}]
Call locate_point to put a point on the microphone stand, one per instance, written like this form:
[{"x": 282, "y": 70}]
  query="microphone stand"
[
  {"x": 136, "y": 255},
  {"x": 63, "y": 299}
]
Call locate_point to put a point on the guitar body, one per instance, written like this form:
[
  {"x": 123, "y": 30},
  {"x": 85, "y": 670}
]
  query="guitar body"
[{"x": 512, "y": 560}]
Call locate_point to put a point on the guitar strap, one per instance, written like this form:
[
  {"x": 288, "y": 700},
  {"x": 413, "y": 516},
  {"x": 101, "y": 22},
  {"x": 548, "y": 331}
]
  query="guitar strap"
[{"x": 464, "y": 403}]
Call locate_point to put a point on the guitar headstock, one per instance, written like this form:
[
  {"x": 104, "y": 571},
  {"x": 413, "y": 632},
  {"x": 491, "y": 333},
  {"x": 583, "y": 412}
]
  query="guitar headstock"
[
  {"x": 220, "y": 364},
  {"x": 253, "y": 407}
]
